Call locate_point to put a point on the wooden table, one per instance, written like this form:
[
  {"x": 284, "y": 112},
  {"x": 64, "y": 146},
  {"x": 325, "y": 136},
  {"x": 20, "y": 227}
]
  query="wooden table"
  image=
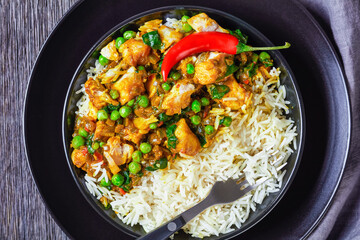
[{"x": 25, "y": 26}]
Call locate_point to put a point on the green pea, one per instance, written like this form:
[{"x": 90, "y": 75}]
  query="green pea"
[
  {"x": 264, "y": 56},
  {"x": 186, "y": 27},
  {"x": 143, "y": 101},
  {"x": 190, "y": 69},
  {"x": 163, "y": 117},
  {"x": 102, "y": 144},
  {"x": 131, "y": 103},
  {"x": 134, "y": 167},
  {"x": 119, "y": 41},
  {"x": 196, "y": 106},
  {"x": 78, "y": 141},
  {"x": 166, "y": 86},
  {"x": 204, "y": 101},
  {"x": 103, "y": 60},
  {"x": 153, "y": 125},
  {"x": 145, "y": 147},
  {"x": 117, "y": 179},
  {"x": 185, "y": 18},
  {"x": 95, "y": 145},
  {"x": 105, "y": 183},
  {"x": 83, "y": 132},
  {"x": 114, "y": 94},
  {"x": 209, "y": 129},
  {"x": 102, "y": 115},
  {"x": 176, "y": 75},
  {"x": 115, "y": 115},
  {"x": 227, "y": 121},
  {"x": 136, "y": 156},
  {"x": 129, "y": 34},
  {"x": 125, "y": 111},
  {"x": 196, "y": 120},
  {"x": 140, "y": 68}
]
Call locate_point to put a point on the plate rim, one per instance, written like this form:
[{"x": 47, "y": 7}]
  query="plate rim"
[{"x": 344, "y": 81}]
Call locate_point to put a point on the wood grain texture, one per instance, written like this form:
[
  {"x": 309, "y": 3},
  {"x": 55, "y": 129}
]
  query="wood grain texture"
[{"x": 24, "y": 27}]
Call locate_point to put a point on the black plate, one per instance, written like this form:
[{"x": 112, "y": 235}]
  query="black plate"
[
  {"x": 311, "y": 57},
  {"x": 296, "y": 111}
]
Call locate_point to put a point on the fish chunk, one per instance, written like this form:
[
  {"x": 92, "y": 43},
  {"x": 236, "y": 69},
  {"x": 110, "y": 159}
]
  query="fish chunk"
[
  {"x": 110, "y": 51},
  {"x": 237, "y": 97},
  {"x": 150, "y": 26},
  {"x": 188, "y": 144},
  {"x": 103, "y": 131},
  {"x": 135, "y": 52},
  {"x": 168, "y": 36},
  {"x": 203, "y": 23},
  {"x": 130, "y": 132},
  {"x": 129, "y": 85},
  {"x": 178, "y": 98},
  {"x": 143, "y": 123},
  {"x": 119, "y": 151},
  {"x": 98, "y": 94},
  {"x": 211, "y": 68},
  {"x": 79, "y": 157}
]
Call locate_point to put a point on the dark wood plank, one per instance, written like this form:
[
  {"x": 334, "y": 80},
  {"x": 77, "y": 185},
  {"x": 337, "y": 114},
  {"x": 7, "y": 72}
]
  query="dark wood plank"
[{"x": 23, "y": 29}]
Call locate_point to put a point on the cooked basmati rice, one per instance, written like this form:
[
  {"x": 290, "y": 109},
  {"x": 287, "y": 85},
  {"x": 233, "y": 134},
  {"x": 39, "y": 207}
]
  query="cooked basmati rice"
[{"x": 257, "y": 144}]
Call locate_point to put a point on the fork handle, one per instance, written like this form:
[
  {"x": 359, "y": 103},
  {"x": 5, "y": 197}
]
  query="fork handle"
[{"x": 166, "y": 230}]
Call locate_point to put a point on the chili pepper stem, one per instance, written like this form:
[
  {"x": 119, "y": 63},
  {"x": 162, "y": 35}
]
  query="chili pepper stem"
[{"x": 246, "y": 48}]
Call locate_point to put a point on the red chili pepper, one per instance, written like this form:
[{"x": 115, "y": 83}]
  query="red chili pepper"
[
  {"x": 98, "y": 156},
  {"x": 85, "y": 151},
  {"x": 204, "y": 42},
  {"x": 206, "y": 111},
  {"x": 122, "y": 191},
  {"x": 160, "y": 123},
  {"x": 246, "y": 81},
  {"x": 86, "y": 129}
]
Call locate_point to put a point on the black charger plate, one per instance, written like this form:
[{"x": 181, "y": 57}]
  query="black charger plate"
[{"x": 311, "y": 58}]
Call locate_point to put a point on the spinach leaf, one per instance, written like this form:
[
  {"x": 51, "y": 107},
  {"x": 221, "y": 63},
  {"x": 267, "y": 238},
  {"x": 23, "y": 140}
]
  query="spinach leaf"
[
  {"x": 127, "y": 177},
  {"x": 231, "y": 69},
  {"x": 251, "y": 69},
  {"x": 242, "y": 37},
  {"x": 151, "y": 169},
  {"x": 202, "y": 139},
  {"x": 111, "y": 107},
  {"x": 170, "y": 134},
  {"x": 159, "y": 164},
  {"x": 219, "y": 91},
  {"x": 152, "y": 39}
]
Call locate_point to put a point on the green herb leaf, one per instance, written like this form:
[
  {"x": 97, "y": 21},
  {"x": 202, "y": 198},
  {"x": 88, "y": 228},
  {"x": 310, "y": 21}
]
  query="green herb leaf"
[
  {"x": 267, "y": 63},
  {"x": 218, "y": 91},
  {"x": 202, "y": 139},
  {"x": 242, "y": 37},
  {"x": 231, "y": 69},
  {"x": 170, "y": 133},
  {"x": 111, "y": 107},
  {"x": 127, "y": 177},
  {"x": 152, "y": 39},
  {"x": 151, "y": 169},
  {"x": 251, "y": 69}
]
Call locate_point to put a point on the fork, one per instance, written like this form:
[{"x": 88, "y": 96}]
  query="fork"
[{"x": 221, "y": 193}]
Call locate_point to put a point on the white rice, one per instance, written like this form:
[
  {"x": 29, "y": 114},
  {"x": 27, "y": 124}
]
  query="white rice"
[{"x": 257, "y": 144}]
